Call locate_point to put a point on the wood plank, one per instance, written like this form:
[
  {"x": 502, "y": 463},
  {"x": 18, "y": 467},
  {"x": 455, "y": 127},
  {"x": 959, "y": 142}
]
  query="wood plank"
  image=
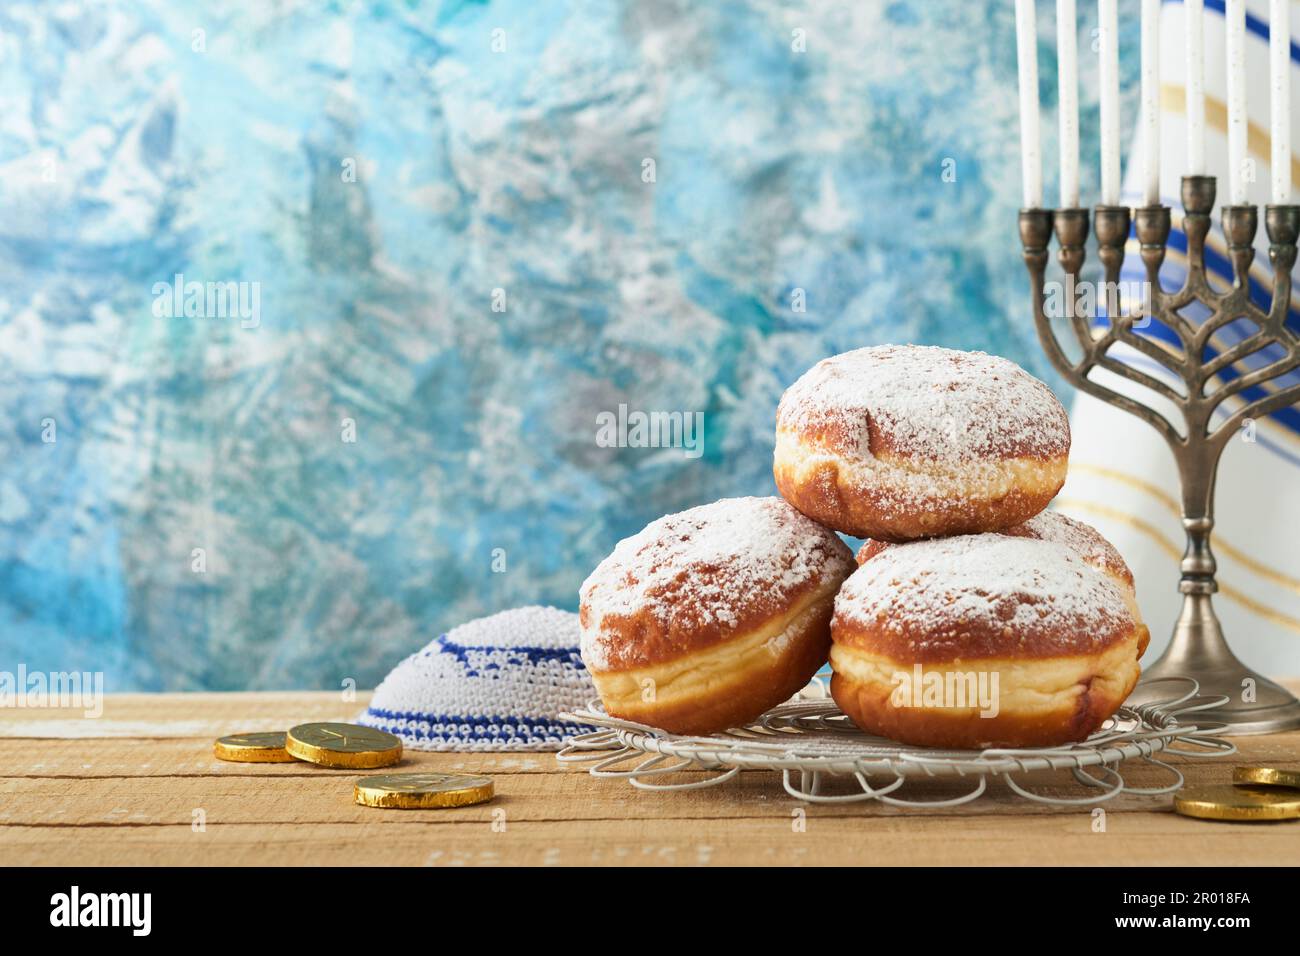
[
  {"x": 1130, "y": 840},
  {"x": 91, "y": 758},
  {"x": 182, "y": 715},
  {"x": 192, "y": 756},
  {"x": 131, "y": 774}
]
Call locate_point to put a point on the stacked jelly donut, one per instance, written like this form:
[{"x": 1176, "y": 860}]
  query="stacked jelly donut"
[
  {"x": 975, "y": 618},
  {"x": 944, "y": 462},
  {"x": 708, "y": 618}
]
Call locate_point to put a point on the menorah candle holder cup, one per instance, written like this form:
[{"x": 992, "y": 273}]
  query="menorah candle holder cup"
[{"x": 1198, "y": 649}]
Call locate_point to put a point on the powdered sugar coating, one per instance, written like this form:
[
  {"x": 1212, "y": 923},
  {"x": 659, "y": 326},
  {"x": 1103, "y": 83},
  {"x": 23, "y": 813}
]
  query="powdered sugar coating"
[
  {"x": 926, "y": 402},
  {"x": 1084, "y": 540},
  {"x": 698, "y": 576},
  {"x": 1011, "y": 591}
]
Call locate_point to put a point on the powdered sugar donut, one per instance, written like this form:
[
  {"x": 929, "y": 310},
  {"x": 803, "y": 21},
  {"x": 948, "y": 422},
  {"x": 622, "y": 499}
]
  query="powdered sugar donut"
[
  {"x": 983, "y": 640},
  {"x": 904, "y": 441},
  {"x": 707, "y": 618},
  {"x": 1083, "y": 539}
]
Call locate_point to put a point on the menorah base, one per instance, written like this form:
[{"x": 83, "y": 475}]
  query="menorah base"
[
  {"x": 1256, "y": 705},
  {"x": 1274, "y": 709}
]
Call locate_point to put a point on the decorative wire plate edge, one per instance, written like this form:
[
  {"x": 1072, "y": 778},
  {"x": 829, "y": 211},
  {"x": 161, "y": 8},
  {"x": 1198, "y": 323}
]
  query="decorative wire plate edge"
[{"x": 810, "y": 737}]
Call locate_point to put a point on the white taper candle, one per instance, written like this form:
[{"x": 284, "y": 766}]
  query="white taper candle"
[
  {"x": 1235, "y": 18},
  {"x": 1031, "y": 154},
  {"x": 1279, "y": 62},
  {"x": 1194, "y": 12},
  {"x": 1150, "y": 92},
  {"x": 1109, "y": 50},
  {"x": 1067, "y": 59}
]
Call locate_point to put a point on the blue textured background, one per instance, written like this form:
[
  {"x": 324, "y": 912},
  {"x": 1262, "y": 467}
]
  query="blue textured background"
[{"x": 127, "y": 156}]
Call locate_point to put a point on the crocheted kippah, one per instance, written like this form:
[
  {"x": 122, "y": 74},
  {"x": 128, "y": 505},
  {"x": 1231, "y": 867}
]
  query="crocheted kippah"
[{"x": 496, "y": 683}]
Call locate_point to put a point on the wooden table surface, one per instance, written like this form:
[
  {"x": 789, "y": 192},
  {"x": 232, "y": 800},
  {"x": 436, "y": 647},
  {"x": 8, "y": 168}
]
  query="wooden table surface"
[{"x": 131, "y": 787}]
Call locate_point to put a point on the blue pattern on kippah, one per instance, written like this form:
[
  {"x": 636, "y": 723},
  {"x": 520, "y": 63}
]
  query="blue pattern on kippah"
[
  {"x": 470, "y": 656},
  {"x": 463, "y": 728}
]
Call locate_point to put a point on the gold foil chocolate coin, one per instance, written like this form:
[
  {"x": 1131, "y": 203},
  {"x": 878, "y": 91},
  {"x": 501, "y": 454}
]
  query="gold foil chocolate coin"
[
  {"x": 1242, "y": 804},
  {"x": 1267, "y": 777},
  {"x": 418, "y": 791},
  {"x": 343, "y": 745},
  {"x": 253, "y": 748}
]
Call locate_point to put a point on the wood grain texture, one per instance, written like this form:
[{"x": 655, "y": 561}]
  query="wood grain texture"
[{"x": 127, "y": 787}]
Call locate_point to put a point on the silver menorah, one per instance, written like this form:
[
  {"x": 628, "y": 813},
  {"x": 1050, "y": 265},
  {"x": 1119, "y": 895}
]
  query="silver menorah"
[{"x": 1198, "y": 649}]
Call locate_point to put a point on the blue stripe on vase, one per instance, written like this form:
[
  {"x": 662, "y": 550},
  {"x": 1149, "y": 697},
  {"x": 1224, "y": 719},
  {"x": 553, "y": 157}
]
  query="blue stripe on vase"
[{"x": 1254, "y": 24}]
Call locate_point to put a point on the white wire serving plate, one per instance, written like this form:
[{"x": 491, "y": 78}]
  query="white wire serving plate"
[{"x": 809, "y": 741}]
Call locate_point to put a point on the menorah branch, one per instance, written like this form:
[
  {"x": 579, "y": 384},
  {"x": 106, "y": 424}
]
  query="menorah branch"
[
  {"x": 1283, "y": 398},
  {"x": 1258, "y": 377},
  {"x": 1282, "y": 223},
  {"x": 1071, "y": 236},
  {"x": 1240, "y": 223},
  {"x": 1036, "y": 228},
  {"x": 1247, "y": 346},
  {"x": 1198, "y": 194}
]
